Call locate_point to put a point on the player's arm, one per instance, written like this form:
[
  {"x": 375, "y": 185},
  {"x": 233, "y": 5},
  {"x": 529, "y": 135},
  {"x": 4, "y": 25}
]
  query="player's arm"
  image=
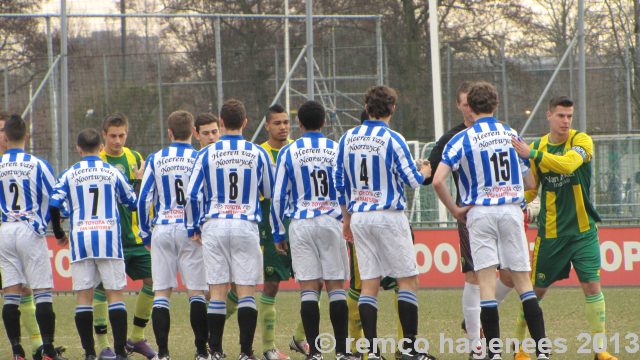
[
  {"x": 435, "y": 156},
  {"x": 339, "y": 176},
  {"x": 195, "y": 196},
  {"x": 580, "y": 153},
  {"x": 405, "y": 165},
  {"x": 265, "y": 166},
  {"x": 280, "y": 198},
  {"x": 145, "y": 201},
  {"x": 138, "y": 171},
  {"x": 56, "y": 202},
  {"x": 126, "y": 195}
]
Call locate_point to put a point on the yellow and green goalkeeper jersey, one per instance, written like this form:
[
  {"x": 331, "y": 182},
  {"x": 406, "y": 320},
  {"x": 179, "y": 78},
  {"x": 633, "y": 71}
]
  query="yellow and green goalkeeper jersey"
[
  {"x": 563, "y": 173},
  {"x": 265, "y": 204},
  {"x": 126, "y": 163}
]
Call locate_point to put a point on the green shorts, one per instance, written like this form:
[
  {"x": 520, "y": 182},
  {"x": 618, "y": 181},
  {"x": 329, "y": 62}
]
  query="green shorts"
[
  {"x": 276, "y": 267},
  {"x": 552, "y": 258},
  {"x": 137, "y": 262}
]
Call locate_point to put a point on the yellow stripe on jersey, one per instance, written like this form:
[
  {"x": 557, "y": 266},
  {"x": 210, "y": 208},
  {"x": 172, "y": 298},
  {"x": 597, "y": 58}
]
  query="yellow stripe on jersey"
[
  {"x": 551, "y": 230},
  {"x": 581, "y": 211},
  {"x": 534, "y": 262}
]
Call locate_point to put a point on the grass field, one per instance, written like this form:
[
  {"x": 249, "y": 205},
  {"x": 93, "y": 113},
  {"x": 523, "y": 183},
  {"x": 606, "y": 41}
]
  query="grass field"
[{"x": 439, "y": 314}]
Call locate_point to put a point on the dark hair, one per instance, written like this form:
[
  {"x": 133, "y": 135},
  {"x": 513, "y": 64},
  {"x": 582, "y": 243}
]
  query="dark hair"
[
  {"x": 380, "y": 101},
  {"x": 311, "y": 115},
  {"x": 463, "y": 89},
  {"x": 15, "y": 128},
  {"x": 363, "y": 116},
  {"x": 89, "y": 140},
  {"x": 233, "y": 114},
  {"x": 482, "y": 98},
  {"x": 180, "y": 123},
  {"x": 561, "y": 100},
  {"x": 205, "y": 119},
  {"x": 116, "y": 120},
  {"x": 275, "y": 109}
]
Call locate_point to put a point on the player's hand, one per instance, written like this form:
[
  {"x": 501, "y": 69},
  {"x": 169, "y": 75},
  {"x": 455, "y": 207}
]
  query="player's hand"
[
  {"x": 533, "y": 210},
  {"x": 346, "y": 231},
  {"x": 63, "y": 241},
  {"x": 522, "y": 148},
  {"x": 282, "y": 247},
  {"x": 460, "y": 213},
  {"x": 425, "y": 169},
  {"x": 197, "y": 239},
  {"x": 139, "y": 171}
]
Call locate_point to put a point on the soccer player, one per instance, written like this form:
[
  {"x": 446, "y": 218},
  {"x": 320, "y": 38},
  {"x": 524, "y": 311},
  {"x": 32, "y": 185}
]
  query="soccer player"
[
  {"x": 373, "y": 165},
  {"x": 304, "y": 192},
  {"x": 137, "y": 259},
  {"x": 93, "y": 188},
  {"x": 491, "y": 182},
  {"x": 471, "y": 290},
  {"x": 164, "y": 183},
  {"x": 222, "y": 213},
  {"x": 27, "y": 183},
  {"x": 206, "y": 129},
  {"x": 561, "y": 165}
]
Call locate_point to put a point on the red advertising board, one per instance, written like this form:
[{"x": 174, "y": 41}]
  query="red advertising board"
[{"x": 438, "y": 258}]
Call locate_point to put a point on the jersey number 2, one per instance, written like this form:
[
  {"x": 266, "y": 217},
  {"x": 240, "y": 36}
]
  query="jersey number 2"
[{"x": 13, "y": 188}]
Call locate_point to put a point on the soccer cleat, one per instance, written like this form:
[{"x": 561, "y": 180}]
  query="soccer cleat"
[
  {"x": 203, "y": 357},
  {"x": 141, "y": 347},
  {"x": 163, "y": 357},
  {"x": 120, "y": 357},
  {"x": 217, "y": 355},
  {"x": 316, "y": 356},
  {"x": 418, "y": 356},
  {"x": 605, "y": 356},
  {"x": 107, "y": 354},
  {"x": 347, "y": 356},
  {"x": 372, "y": 356},
  {"x": 274, "y": 354},
  {"x": 543, "y": 357},
  {"x": 90, "y": 357},
  {"x": 522, "y": 355},
  {"x": 37, "y": 355},
  {"x": 244, "y": 356},
  {"x": 299, "y": 346},
  {"x": 17, "y": 357},
  {"x": 496, "y": 357}
]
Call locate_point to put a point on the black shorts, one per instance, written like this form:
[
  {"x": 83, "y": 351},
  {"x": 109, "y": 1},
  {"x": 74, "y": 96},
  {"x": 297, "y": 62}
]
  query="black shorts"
[{"x": 466, "y": 260}]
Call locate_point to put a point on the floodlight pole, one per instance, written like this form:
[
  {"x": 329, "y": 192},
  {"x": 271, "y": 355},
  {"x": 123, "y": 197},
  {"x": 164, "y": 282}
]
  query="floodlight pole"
[
  {"x": 64, "y": 84},
  {"x": 379, "y": 51},
  {"x": 218, "y": 64},
  {"x": 53, "y": 103},
  {"x": 582, "y": 78},
  {"x": 309, "y": 22},
  {"x": 287, "y": 56}
]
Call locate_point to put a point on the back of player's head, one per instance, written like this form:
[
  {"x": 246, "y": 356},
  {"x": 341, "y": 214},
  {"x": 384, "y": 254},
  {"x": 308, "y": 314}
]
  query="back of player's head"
[
  {"x": 114, "y": 120},
  {"x": 233, "y": 114},
  {"x": 463, "y": 89},
  {"x": 363, "y": 116},
  {"x": 311, "y": 115},
  {"x": 180, "y": 124},
  {"x": 205, "y": 118},
  {"x": 482, "y": 98},
  {"x": 15, "y": 129},
  {"x": 89, "y": 140},
  {"x": 275, "y": 109},
  {"x": 561, "y": 100},
  {"x": 380, "y": 101}
]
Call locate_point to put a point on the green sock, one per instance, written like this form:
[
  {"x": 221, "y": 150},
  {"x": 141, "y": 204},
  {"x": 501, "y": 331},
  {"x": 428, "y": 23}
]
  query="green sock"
[
  {"x": 232, "y": 303},
  {"x": 267, "y": 321},
  {"x": 100, "y": 318},
  {"x": 595, "y": 311},
  {"x": 299, "y": 335},
  {"x": 521, "y": 326},
  {"x": 355, "y": 326},
  {"x": 28, "y": 320},
  {"x": 142, "y": 314}
]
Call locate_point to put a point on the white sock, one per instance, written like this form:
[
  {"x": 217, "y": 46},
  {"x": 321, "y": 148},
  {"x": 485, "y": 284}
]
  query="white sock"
[
  {"x": 471, "y": 311},
  {"x": 502, "y": 291}
]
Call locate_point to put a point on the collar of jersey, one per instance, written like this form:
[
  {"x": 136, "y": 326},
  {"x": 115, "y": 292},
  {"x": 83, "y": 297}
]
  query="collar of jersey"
[
  {"x": 231, "y": 137},
  {"x": 486, "y": 119},
  {"x": 313, "y": 134},
  {"x": 181, "y": 145},
  {"x": 375, "y": 123},
  {"x": 91, "y": 157},
  {"x": 14, "y": 151}
]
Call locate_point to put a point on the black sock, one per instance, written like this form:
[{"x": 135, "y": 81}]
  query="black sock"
[
  {"x": 46, "y": 319},
  {"x": 11, "y": 319},
  {"x": 310, "y": 314},
  {"x": 408, "y": 314},
  {"x": 369, "y": 320},
  {"x": 118, "y": 320},
  {"x": 161, "y": 320},
  {"x": 490, "y": 320},
  {"x": 84, "y": 324},
  {"x": 198, "y": 317},
  {"x": 247, "y": 320},
  {"x": 339, "y": 314},
  {"x": 215, "y": 324},
  {"x": 535, "y": 320}
]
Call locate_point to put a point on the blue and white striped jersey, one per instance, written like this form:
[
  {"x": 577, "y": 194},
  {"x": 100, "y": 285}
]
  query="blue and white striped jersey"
[
  {"x": 26, "y": 184},
  {"x": 374, "y": 163},
  {"x": 164, "y": 183},
  {"x": 304, "y": 186},
  {"x": 227, "y": 180},
  {"x": 490, "y": 171},
  {"x": 93, "y": 188}
]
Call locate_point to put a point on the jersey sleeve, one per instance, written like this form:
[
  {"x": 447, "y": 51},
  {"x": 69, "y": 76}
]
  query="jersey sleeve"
[
  {"x": 195, "y": 195},
  {"x": 125, "y": 193},
  {"x": 145, "y": 201},
  {"x": 265, "y": 166},
  {"x": 340, "y": 180},
  {"x": 282, "y": 194},
  {"x": 404, "y": 163},
  {"x": 452, "y": 153},
  {"x": 580, "y": 153},
  {"x": 60, "y": 192},
  {"x": 532, "y": 193}
]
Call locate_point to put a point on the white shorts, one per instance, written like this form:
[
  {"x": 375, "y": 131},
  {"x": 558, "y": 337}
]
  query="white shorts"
[
  {"x": 497, "y": 237},
  {"x": 88, "y": 273},
  {"x": 231, "y": 252},
  {"x": 318, "y": 250},
  {"x": 173, "y": 251},
  {"x": 383, "y": 244},
  {"x": 24, "y": 257}
]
